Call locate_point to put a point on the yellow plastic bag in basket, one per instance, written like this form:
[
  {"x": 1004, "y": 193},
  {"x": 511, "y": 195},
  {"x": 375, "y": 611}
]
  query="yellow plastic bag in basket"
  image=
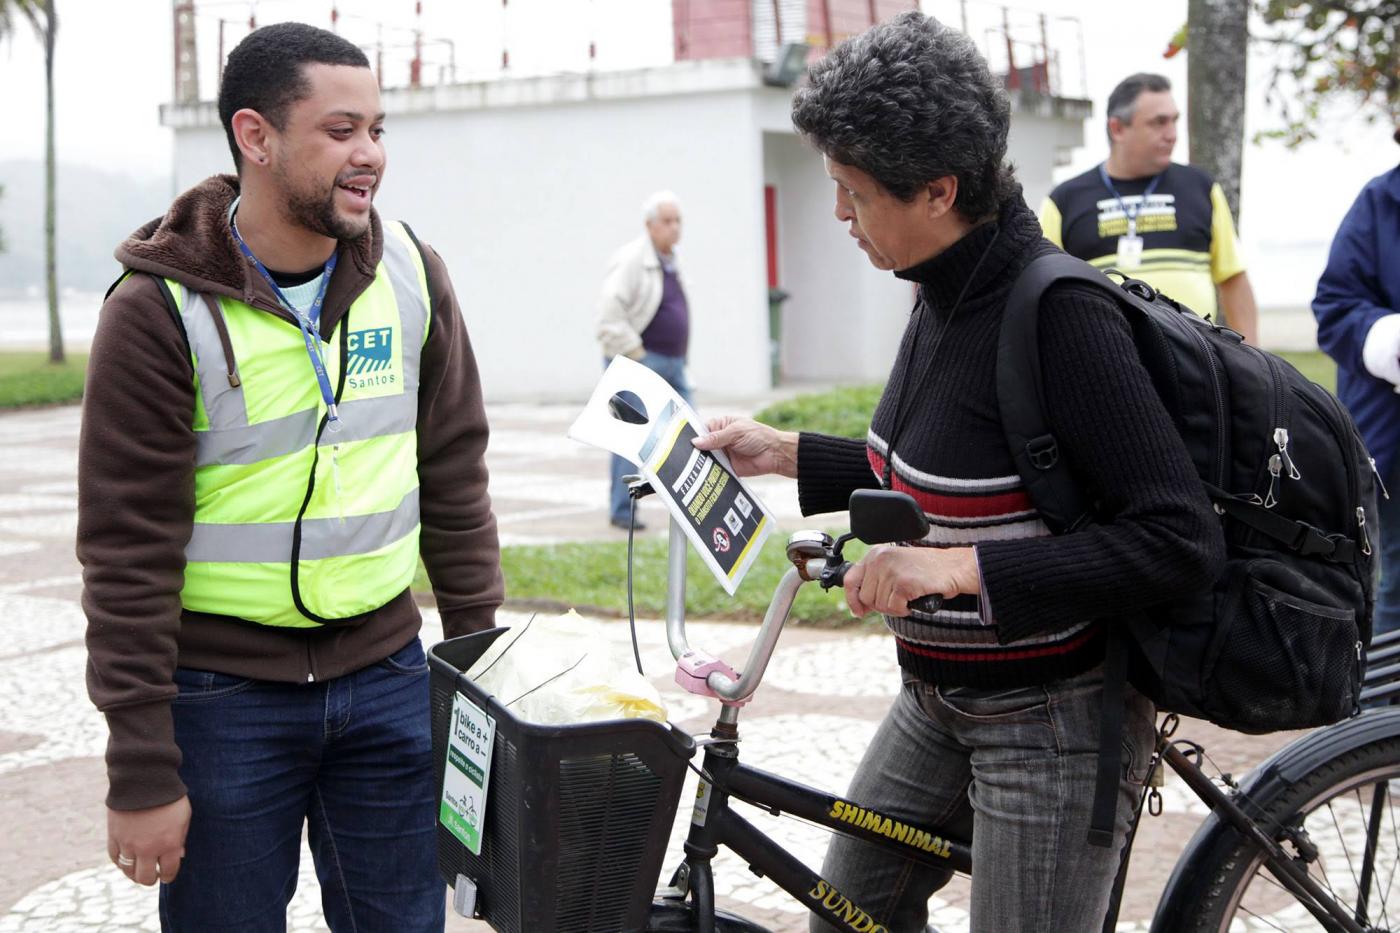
[{"x": 558, "y": 670}]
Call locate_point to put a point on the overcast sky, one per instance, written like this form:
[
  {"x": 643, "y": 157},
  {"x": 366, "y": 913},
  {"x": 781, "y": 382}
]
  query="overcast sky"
[{"x": 114, "y": 70}]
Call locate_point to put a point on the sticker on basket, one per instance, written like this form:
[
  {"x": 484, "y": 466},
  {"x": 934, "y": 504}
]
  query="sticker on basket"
[
  {"x": 467, "y": 772},
  {"x": 702, "y": 804}
]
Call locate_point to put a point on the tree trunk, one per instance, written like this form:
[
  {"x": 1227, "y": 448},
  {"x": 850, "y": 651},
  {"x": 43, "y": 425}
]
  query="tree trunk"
[
  {"x": 50, "y": 186},
  {"x": 1217, "y": 43}
]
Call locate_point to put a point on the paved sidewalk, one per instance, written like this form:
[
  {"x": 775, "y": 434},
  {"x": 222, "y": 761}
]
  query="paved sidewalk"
[{"x": 811, "y": 718}]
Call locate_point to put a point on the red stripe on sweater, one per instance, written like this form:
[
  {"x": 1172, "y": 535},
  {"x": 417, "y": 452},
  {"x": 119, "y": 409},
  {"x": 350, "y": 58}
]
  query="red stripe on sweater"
[
  {"x": 1015, "y": 502},
  {"x": 1019, "y": 654}
]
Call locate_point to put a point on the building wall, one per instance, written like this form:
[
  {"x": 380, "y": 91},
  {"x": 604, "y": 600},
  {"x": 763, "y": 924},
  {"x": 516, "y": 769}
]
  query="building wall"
[
  {"x": 843, "y": 317},
  {"x": 525, "y": 188},
  {"x": 712, "y": 28},
  {"x": 525, "y": 204},
  {"x": 729, "y": 28},
  {"x": 1043, "y": 134}
]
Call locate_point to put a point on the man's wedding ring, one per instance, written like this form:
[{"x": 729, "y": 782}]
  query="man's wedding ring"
[{"x": 125, "y": 861}]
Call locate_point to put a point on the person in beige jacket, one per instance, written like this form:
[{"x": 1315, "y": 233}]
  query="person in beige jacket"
[{"x": 643, "y": 314}]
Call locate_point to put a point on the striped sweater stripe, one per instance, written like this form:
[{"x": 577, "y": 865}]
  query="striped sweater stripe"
[{"x": 964, "y": 511}]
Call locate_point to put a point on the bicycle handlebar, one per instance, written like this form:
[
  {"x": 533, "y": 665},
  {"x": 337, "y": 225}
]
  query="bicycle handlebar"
[
  {"x": 765, "y": 641},
  {"x": 725, "y": 687},
  {"x": 928, "y": 604}
]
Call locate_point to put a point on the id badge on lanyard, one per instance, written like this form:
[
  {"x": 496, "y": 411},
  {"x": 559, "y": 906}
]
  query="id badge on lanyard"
[
  {"x": 1130, "y": 245},
  {"x": 1129, "y": 250}
]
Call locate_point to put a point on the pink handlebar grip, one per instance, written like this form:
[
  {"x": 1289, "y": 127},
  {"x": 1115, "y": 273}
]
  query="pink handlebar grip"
[{"x": 693, "y": 671}]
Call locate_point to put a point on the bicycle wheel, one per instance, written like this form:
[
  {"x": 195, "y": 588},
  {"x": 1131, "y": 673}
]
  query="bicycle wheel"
[{"x": 1327, "y": 821}]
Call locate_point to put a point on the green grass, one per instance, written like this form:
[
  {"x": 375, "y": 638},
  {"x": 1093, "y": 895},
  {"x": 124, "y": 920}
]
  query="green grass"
[
  {"x": 592, "y": 576},
  {"x": 28, "y": 378},
  {"x": 844, "y": 412}
]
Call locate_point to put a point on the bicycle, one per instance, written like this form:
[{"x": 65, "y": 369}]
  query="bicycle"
[{"x": 1308, "y": 841}]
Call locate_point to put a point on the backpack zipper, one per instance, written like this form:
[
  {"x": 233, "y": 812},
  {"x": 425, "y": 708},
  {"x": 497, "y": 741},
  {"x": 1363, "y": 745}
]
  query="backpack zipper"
[
  {"x": 1220, "y": 431},
  {"x": 1281, "y": 441},
  {"x": 1377, "y": 473},
  {"x": 1353, "y": 493},
  {"x": 1277, "y": 462},
  {"x": 1279, "y": 417},
  {"x": 1275, "y": 468}
]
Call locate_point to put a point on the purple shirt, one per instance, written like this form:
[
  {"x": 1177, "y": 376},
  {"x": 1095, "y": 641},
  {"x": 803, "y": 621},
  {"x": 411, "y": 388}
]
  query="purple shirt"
[{"x": 669, "y": 331}]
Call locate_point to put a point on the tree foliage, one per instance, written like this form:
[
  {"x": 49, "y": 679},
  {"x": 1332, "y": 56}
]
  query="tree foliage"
[
  {"x": 32, "y": 10},
  {"x": 1330, "y": 51}
]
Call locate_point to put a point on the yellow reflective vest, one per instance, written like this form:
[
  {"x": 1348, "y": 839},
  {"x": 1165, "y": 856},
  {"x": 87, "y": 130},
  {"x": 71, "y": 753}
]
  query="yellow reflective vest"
[{"x": 296, "y": 525}]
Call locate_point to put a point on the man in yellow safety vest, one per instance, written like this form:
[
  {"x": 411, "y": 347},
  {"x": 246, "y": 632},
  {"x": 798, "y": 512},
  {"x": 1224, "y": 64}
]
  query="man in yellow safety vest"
[{"x": 282, "y": 413}]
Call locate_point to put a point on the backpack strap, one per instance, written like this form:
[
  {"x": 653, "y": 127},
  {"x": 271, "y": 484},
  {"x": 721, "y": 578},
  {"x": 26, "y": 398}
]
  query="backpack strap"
[
  {"x": 171, "y": 307},
  {"x": 1115, "y": 680},
  {"x": 1299, "y": 537},
  {"x": 1021, "y": 394},
  {"x": 126, "y": 274},
  {"x": 1059, "y": 500},
  {"x": 427, "y": 270}
]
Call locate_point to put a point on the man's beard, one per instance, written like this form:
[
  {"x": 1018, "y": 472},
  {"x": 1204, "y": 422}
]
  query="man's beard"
[{"x": 316, "y": 212}]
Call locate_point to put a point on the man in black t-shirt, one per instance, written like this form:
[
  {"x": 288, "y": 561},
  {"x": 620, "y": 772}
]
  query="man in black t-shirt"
[{"x": 1152, "y": 218}]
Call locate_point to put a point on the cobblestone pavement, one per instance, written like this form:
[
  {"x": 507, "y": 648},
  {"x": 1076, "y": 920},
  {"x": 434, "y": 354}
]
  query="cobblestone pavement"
[{"x": 810, "y": 720}]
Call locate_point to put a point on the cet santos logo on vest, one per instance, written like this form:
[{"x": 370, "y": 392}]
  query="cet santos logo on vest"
[{"x": 371, "y": 357}]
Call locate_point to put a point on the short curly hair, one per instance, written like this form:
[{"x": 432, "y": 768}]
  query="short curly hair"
[
  {"x": 909, "y": 101},
  {"x": 264, "y": 72}
]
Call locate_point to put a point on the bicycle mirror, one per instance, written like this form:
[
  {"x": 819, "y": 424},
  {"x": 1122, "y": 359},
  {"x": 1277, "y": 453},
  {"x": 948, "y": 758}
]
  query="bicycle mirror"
[
  {"x": 627, "y": 406},
  {"x": 880, "y": 516}
]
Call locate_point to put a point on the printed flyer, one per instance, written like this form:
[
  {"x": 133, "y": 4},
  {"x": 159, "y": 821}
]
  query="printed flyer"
[{"x": 635, "y": 414}]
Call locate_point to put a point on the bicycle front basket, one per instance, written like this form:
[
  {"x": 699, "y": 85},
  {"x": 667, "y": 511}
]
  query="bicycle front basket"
[{"x": 577, "y": 816}]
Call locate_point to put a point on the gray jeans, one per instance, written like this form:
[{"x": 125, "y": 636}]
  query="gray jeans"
[{"x": 1014, "y": 770}]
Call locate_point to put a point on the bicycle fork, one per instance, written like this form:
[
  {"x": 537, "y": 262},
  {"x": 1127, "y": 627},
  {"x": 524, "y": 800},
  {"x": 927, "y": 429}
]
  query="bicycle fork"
[
  {"x": 694, "y": 878},
  {"x": 714, "y": 823},
  {"x": 1280, "y": 864}
]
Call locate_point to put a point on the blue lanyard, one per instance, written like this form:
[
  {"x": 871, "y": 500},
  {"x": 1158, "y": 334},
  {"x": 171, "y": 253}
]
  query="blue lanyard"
[
  {"x": 308, "y": 332},
  {"x": 1147, "y": 193}
]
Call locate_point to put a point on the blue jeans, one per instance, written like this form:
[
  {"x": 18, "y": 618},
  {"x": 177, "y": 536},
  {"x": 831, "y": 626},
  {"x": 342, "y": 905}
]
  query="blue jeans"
[
  {"x": 672, "y": 369},
  {"x": 1013, "y": 769},
  {"x": 350, "y": 757},
  {"x": 1387, "y": 614}
]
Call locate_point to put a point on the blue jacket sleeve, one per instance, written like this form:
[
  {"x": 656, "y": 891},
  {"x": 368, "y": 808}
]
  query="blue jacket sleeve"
[{"x": 1349, "y": 296}]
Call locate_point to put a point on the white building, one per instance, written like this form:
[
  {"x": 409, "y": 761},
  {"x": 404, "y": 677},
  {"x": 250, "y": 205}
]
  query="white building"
[{"x": 525, "y": 186}]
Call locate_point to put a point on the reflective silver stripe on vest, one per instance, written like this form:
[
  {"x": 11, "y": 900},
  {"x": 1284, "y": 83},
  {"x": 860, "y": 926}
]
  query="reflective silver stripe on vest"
[
  {"x": 413, "y": 313},
  {"x": 232, "y": 440},
  {"x": 360, "y": 419},
  {"x": 223, "y": 403},
  {"x": 250, "y": 443},
  {"x": 320, "y": 537}
]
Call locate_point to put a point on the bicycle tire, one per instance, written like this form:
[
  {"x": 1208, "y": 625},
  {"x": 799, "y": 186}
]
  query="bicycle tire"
[
  {"x": 673, "y": 916},
  {"x": 1330, "y": 803}
]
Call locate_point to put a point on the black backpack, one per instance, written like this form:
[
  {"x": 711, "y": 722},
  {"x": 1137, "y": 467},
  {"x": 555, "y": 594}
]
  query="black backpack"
[{"x": 1279, "y": 641}]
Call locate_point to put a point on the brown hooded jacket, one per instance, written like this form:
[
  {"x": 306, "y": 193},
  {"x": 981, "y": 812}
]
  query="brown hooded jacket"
[{"x": 136, "y": 493}]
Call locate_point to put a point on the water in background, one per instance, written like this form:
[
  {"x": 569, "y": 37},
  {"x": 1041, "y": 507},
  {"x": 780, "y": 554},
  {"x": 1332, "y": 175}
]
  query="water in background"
[
  {"x": 1284, "y": 276},
  {"x": 24, "y": 320}
]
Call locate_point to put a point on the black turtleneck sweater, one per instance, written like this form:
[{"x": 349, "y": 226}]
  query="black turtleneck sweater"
[{"x": 1044, "y": 598}]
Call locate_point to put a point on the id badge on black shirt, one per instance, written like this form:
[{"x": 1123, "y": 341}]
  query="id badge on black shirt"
[{"x": 1129, "y": 251}]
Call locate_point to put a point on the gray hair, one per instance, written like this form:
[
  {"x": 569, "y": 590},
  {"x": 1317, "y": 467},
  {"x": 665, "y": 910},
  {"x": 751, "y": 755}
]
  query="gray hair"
[
  {"x": 909, "y": 101},
  {"x": 1122, "y": 103},
  {"x": 654, "y": 202}
]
